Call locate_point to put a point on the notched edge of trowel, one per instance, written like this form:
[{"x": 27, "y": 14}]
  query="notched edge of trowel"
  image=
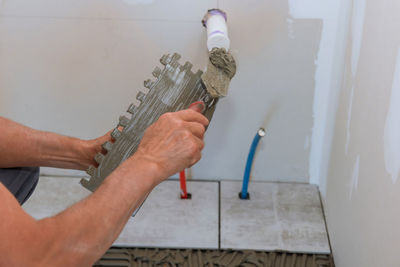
[{"x": 95, "y": 179}]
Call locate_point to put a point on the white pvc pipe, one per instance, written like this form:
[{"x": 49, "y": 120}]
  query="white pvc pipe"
[{"x": 217, "y": 30}]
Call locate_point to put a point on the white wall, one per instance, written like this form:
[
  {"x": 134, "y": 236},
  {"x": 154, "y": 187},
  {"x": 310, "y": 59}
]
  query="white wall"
[
  {"x": 74, "y": 66},
  {"x": 362, "y": 191}
]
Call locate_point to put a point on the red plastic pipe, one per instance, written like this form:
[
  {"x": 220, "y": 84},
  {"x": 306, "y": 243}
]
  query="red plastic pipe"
[
  {"x": 182, "y": 178},
  {"x": 199, "y": 107}
]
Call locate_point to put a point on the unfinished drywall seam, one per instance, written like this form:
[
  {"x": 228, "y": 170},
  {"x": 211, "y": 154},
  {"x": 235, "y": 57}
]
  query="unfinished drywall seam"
[
  {"x": 291, "y": 34},
  {"x": 354, "y": 177},
  {"x": 391, "y": 136},
  {"x": 357, "y": 26},
  {"x": 357, "y": 30},
  {"x": 307, "y": 142},
  {"x": 349, "y": 120},
  {"x": 328, "y": 76}
]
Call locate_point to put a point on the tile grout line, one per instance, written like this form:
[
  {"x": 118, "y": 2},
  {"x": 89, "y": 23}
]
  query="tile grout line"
[
  {"x": 219, "y": 214},
  {"x": 177, "y": 179},
  {"x": 325, "y": 222}
]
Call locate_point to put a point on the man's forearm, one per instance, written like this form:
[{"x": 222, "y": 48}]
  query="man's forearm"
[
  {"x": 90, "y": 227},
  {"x": 22, "y": 146},
  {"x": 82, "y": 233}
]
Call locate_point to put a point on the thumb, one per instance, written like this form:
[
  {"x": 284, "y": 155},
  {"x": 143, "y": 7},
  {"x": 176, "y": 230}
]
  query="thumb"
[{"x": 198, "y": 106}]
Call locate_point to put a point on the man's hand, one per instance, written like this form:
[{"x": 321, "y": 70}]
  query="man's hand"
[
  {"x": 175, "y": 136},
  {"x": 174, "y": 142},
  {"x": 25, "y": 147},
  {"x": 171, "y": 144},
  {"x": 91, "y": 147}
]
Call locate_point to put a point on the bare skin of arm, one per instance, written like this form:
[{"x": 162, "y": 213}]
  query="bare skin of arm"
[
  {"x": 82, "y": 233},
  {"x": 27, "y": 147}
]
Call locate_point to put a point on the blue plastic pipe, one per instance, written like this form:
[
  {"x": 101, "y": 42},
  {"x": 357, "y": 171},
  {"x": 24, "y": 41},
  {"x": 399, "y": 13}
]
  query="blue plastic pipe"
[{"x": 244, "y": 194}]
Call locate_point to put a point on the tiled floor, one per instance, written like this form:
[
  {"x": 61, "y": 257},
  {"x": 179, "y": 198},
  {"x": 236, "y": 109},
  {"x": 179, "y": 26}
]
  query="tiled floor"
[
  {"x": 167, "y": 221},
  {"x": 279, "y": 216},
  {"x": 163, "y": 221},
  {"x": 54, "y": 194}
]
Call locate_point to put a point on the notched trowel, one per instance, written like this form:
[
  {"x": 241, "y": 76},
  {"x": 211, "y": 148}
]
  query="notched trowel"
[{"x": 175, "y": 88}]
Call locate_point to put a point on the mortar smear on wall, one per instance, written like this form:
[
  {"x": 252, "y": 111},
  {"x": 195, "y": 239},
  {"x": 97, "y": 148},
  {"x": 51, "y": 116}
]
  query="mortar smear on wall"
[
  {"x": 391, "y": 137},
  {"x": 354, "y": 177}
]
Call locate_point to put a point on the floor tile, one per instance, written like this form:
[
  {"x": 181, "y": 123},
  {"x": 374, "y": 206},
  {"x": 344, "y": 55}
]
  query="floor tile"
[
  {"x": 278, "y": 216},
  {"x": 164, "y": 220},
  {"x": 47, "y": 171},
  {"x": 54, "y": 194},
  {"x": 167, "y": 221}
]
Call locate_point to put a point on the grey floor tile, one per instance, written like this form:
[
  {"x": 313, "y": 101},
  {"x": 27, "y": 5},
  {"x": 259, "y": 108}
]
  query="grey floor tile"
[
  {"x": 164, "y": 220},
  {"x": 167, "y": 221},
  {"x": 54, "y": 194},
  {"x": 278, "y": 216}
]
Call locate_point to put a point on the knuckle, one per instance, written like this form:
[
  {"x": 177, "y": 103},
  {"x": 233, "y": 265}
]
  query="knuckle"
[
  {"x": 202, "y": 129},
  {"x": 193, "y": 148},
  {"x": 191, "y": 111},
  {"x": 186, "y": 135},
  {"x": 179, "y": 123},
  {"x": 201, "y": 146},
  {"x": 195, "y": 159},
  {"x": 166, "y": 116}
]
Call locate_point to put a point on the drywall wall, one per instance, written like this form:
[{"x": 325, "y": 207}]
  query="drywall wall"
[
  {"x": 362, "y": 190},
  {"x": 329, "y": 69},
  {"x": 74, "y": 66}
]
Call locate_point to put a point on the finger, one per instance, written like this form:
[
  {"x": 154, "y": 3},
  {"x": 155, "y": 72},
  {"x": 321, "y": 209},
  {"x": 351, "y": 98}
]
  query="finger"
[
  {"x": 198, "y": 106},
  {"x": 197, "y": 156},
  {"x": 106, "y": 137},
  {"x": 192, "y": 116},
  {"x": 199, "y": 144},
  {"x": 197, "y": 129},
  {"x": 195, "y": 160},
  {"x": 101, "y": 140}
]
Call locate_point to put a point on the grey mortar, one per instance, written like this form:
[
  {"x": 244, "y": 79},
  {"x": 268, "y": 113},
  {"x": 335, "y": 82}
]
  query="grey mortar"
[
  {"x": 221, "y": 68},
  {"x": 125, "y": 257}
]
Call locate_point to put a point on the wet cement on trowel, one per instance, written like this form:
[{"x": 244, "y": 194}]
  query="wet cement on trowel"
[
  {"x": 220, "y": 70},
  {"x": 120, "y": 257}
]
